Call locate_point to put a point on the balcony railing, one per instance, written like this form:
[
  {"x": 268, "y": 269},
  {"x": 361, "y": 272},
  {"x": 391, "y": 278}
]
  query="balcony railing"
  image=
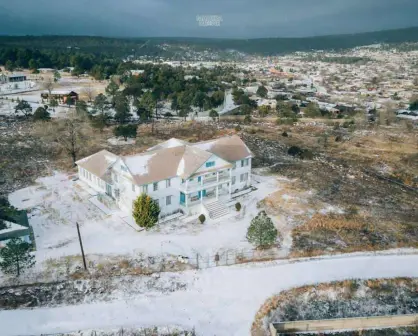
[{"x": 195, "y": 184}]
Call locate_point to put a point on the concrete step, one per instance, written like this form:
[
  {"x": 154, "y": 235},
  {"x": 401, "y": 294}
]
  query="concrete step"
[{"x": 216, "y": 210}]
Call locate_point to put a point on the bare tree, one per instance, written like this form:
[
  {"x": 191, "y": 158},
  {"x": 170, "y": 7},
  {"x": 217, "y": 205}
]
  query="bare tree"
[
  {"x": 71, "y": 134},
  {"x": 387, "y": 115},
  {"x": 89, "y": 92},
  {"x": 48, "y": 84}
]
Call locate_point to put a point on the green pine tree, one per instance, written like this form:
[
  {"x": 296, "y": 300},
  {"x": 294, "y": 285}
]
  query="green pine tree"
[
  {"x": 125, "y": 131},
  {"x": 213, "y": 114},
  {"x": 16, "y": 257},
  {"x": 41, "y": 113},
  {"x": 261, "y": 231},
  {"x": 145, "y": 211}
]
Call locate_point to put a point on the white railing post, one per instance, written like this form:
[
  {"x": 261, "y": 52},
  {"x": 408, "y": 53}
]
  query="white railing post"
[{"x": 230, "y": 182}]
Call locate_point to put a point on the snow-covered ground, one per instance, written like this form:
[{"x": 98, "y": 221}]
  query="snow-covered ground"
[
  {"x": 218, "y": 301},
  {"x": 10, "y": 88},
  {"x": 119, "y": 141},
  {"x": 57, "y": 202},
  {"x": 7, "y": 106}
]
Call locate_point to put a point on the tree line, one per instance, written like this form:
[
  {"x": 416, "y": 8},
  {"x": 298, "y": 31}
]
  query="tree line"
[{"x": 99, "y": 66}]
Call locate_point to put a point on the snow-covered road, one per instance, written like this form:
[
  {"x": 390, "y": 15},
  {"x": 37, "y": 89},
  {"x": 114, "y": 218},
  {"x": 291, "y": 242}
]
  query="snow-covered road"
[{"x": 218, "y": 301}]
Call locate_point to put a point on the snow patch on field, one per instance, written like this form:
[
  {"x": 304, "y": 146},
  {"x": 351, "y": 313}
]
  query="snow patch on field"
[
  {"x": 120, "y": 141},
  {"x": 218, "y": 301},
  {"x": 57, "y": 202}
]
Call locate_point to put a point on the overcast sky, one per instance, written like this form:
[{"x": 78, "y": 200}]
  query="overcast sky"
[{"x": 240, "y": 18}]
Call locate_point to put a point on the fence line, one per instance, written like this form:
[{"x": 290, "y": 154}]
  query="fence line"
[
  {"x": 352, "y": 323},
  {"x": 153, "y": 331},
  {"x": 232, "y": 257}
]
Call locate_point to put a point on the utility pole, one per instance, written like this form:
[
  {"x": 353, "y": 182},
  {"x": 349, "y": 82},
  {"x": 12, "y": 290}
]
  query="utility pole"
[{"x": 81, "y": 246}]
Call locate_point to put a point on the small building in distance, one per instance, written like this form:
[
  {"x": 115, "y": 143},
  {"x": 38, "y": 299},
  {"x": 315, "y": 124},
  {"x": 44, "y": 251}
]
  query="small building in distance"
[
  {"x": 12, "y": 78},
  {"x": 46, "y": 70},
  {"x": 16, "y": 227},
  {"x": 61, "y": 96}
]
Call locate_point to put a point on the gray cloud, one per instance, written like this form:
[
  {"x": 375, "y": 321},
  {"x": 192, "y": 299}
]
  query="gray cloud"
[{"x": 241, "y": 18}]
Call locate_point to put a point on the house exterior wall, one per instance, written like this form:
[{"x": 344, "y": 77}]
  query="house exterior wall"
[
  {"x": 163, "y": 191},
  {"x": 15, "y": 79},
  {"x": 125, "y": 191},
  {"x": 128, "y": 191},
  {"x": 239, "y": 171},
  {"x": 92, "y": 180},
  {"x": 219, "y": 163}
]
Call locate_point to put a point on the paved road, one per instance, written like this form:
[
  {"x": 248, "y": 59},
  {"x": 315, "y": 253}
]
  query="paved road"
[{"x": 218, "y": 301}]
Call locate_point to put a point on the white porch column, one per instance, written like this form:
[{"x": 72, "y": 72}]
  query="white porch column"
[
  {"x": 249, "y": 178},
  {"x": 201, "y": 189},
  {"x": 217, "y": 192},
  {"x": 185, "y": 199},
  {"x": 217, "y": 176},
  {"x": 230, "y": 182}
]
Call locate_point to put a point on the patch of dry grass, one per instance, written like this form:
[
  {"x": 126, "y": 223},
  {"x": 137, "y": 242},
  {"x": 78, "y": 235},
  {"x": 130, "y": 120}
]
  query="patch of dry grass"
[
  {"x": 341, "y": 290},
  {"x": 339, "y": 233},
  {"x": 334, "y": 222}
]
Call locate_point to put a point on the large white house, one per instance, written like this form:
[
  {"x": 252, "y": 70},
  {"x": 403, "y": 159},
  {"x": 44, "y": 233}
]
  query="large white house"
[{"x": 181, "y": 176}]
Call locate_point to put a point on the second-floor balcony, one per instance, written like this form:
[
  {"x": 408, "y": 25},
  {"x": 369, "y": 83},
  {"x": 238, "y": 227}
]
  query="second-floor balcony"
[{"x": 205, "y": 181}]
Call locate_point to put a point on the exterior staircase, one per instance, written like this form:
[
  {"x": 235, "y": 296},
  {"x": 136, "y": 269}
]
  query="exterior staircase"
[{"x": 216, "y": 209}]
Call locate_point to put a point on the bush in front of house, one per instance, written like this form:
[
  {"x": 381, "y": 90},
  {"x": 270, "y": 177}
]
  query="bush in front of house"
[
  {"x": 262, "y": 232},
  {"x": 238, "y": 206},
  {"x": 41, "y": 114},
  {"x": 145, "y": 211},
  {"x": 202, "y": 218}
]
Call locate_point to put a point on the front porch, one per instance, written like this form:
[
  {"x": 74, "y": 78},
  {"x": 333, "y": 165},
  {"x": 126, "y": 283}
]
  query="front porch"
[{"x": 208, "y": 194}]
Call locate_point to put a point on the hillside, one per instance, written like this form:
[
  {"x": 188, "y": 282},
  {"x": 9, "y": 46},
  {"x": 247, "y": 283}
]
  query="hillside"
[
  {"x": 286, "y": 45},
  {"x": 266, "y": 46}
]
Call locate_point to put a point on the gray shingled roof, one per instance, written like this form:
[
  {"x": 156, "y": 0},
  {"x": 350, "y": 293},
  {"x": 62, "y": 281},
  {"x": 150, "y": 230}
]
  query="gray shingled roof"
[{"x": 169, "y": 159}]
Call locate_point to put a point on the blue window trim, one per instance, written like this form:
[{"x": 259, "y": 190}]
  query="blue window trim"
[{"x": 210, "y": 164}]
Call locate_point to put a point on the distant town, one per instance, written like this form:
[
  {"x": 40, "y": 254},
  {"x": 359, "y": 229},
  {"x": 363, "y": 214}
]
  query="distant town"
[{"x": 195, "y": 187}]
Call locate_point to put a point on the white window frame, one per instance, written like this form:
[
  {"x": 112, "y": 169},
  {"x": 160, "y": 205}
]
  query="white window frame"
[
  {"x": 168, "y": 200},
  {"x": 168, "y": 183},
  {"x": 233, "y": 180},
  {"x": 144, "y": 188},
  {"x": 155, "y": 186}
]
